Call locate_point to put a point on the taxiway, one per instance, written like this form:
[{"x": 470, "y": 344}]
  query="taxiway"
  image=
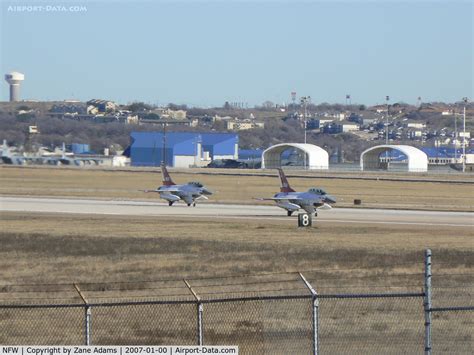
[{"x": 230, "y": 211}]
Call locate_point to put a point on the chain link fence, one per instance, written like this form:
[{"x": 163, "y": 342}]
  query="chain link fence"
[
  {"x": 371, "y": 324},
  {"x": 263, "y": 314}
]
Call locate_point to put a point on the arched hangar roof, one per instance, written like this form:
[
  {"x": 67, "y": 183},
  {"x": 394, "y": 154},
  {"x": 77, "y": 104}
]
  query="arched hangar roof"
[
  {"x": 317, "y": 158},
  {"x": 417, "y": 159}
]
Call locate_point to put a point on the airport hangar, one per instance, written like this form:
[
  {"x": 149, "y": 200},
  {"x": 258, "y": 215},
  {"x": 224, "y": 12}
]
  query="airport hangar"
[
  {"x": 371, "y": 159},
  {"x": 181, "y": 149},
  {"x": 416, "y": 159},
  {"x": 316, "y": 157}
]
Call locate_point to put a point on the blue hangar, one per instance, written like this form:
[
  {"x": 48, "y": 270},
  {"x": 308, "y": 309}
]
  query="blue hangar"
[{"x": 181, "y": 149}]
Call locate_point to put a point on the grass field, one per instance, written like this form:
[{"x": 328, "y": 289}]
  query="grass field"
[
  {"x": 54, "y": 247},
  {"x": 123, "y": 258}
]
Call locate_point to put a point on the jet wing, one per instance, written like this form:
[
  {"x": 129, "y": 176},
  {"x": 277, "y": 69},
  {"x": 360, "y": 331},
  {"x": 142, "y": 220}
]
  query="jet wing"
[
  {"x": 169, "y": 197},
  {"x": 169, "y": 190},
  {"x": 188, "y": 199},
  {"x": 162, "y": 191},
  {"x": 325, "y": 207},
  {"x": 308, "y": 209},
  {"x": 279, "y": 199}
]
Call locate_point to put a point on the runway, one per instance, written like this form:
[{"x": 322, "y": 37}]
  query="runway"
[{"x": 227, "y": 211}]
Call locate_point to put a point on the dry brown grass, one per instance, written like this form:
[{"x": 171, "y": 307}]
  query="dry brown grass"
[
  {"x": 66, "y": 248},
  {"x": 238, "y": 189}
]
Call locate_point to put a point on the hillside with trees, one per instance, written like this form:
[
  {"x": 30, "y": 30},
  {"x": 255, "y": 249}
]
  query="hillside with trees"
[{"x": 281, "y": 125}]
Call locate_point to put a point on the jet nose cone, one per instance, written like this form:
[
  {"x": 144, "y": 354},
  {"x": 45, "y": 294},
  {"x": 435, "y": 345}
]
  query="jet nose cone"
[
  {"x": 330, "y": 199},
  {"x": 206, "y": 191}
]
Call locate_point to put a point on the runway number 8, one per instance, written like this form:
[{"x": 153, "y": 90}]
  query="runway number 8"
[{"x": 304, "y": 220}]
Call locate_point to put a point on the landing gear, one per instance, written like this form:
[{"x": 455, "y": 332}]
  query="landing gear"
[
  {"x": 289, "y": 213},
  {"x": 194, "y": 204},
  {"x": 315, "y": 214},
  {"x": 170, "y": 203},
  {"x": 189, "y": 204}
]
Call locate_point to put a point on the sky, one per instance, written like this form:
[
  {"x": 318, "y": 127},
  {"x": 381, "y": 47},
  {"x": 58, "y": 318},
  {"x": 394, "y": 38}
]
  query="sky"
[{"x": 204, "y": 53}]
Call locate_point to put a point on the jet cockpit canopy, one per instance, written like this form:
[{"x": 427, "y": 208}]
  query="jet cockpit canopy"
[
  {"x": 196, "y": 183},
  {"x": 317, "y": 191}
]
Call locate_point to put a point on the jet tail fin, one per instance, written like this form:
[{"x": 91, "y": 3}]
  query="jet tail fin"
[
  {"x": 166, "y": 177},
  {"x": 285, "y": 186}
]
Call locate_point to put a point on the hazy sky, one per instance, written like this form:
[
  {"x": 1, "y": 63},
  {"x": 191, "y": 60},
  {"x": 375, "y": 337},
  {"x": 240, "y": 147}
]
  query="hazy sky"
[{"x": 204, "y": 53}]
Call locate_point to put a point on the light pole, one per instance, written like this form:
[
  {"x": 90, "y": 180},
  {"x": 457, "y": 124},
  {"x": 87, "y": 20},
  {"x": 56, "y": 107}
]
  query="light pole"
[
  {"x": 387, "y": 98},
  {"x": 464, "y": 136},
  {"x": 164, "y": 144},
  {"x": 455, "y": 137},
  {"x": 304, "y": 101}
]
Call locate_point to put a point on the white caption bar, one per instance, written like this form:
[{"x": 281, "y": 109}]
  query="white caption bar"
[{"x": 117, "y": 350}]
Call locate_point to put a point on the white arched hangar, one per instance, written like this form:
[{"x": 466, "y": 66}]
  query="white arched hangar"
[
  {"x": 315, "y": 157},
  {"x": 370, "y": 159}
]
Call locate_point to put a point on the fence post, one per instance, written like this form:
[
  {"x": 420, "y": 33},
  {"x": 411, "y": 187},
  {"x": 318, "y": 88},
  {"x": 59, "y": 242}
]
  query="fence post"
[
  {"x": 427, "y": 302},
  {"x": 87, "y": 317},
  {"x": 315, "y": 322},
  {"x": 87, "y": 330},
  {"x": 200, "y": 332}
]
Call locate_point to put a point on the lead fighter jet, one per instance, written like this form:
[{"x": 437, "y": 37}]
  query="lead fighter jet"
[
  {"x": 291, "y": 201},
  {"x": 172, "y": 193}
]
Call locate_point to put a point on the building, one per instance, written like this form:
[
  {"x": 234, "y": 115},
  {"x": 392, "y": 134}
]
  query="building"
[
  {"x": 318, "y": 123},
  {"x": 80, "y": 148},
  {"x": 443, "y": 155},
  {"x": 174, "y": 149},
  {"x": 250, "y": 154},
  {"x": 223, "y": 118},
  {"x": 241, "y": 125},
  {"x": 69, "y": 109},
  {"x": 100, "y": 106},
  {"x": 381, "y": 157},
  {"x": 169, "y": 123},
  {"x": 173, "y": 114},
  {"x": 181, "y": 149},
  {"x": 346, "y": 126},
  {"x": 418, "y": 125},
  {"x": 220, "y": 145},
  {"x": 313, "y": 157}
]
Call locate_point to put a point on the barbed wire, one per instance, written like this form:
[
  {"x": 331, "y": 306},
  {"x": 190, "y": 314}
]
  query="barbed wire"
[
  {"x": 366, "y": 276},
  {"x": 437, "y": 287},
  {"x": 36, "y": 291},
  {"x": 138, "y": 289},
  {"x": 41, "y": 298},
  {"x": 316, "y": 282},
  {"x": 144, "y": 296},
  {"x": 255, "y": 291},
  {"x": 263, "y": 274},
  {"x": 247, "y": 283},
  {"x": 371, "y": 286}
]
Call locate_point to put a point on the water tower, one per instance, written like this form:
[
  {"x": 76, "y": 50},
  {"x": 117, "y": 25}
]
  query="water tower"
[{"x": 14, "y": 79}]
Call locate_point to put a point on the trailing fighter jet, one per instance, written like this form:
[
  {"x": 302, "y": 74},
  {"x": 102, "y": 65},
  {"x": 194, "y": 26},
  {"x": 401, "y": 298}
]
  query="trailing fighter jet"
[
  {"x": 310, "y": 201},
  {"x": 172, "y": 193}
]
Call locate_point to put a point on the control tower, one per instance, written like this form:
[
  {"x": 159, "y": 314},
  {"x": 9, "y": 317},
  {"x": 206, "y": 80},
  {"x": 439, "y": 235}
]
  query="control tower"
[{"x": 14, "y": 79}]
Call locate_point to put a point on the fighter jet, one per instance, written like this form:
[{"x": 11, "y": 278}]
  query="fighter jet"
[
  {"x": 172, "y": 193},
  {"x": 310, "y": 201}
]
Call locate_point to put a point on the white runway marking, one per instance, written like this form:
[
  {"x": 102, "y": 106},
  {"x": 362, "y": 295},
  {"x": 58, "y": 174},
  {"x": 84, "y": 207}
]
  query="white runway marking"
[{"x": 225, "y": 211}]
